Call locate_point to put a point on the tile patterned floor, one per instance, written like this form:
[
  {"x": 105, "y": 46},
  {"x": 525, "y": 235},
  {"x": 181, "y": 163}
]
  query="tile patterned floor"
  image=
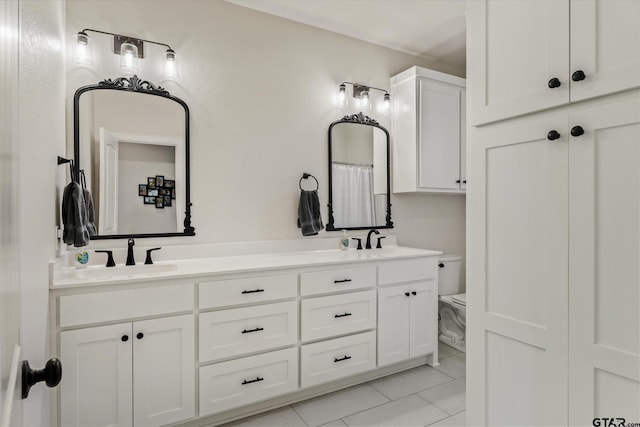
[{"x": 422, "y": 396}]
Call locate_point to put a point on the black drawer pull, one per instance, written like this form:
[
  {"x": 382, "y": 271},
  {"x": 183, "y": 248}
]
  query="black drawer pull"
[
  {"x": 342, "y": 281},
  {"x": 253, "y": 292},
  {"x": 245, "y": 382},
  {"x": 248, "y": 331},
  {"x": 336, "y": 360},
  {"x": 342, "y": 315}
]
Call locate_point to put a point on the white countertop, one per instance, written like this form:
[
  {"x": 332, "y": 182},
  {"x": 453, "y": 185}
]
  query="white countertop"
[{"x": 70, "y": 277}]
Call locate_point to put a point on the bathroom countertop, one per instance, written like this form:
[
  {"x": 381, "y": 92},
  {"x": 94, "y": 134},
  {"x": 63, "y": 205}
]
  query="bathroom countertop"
[{"x": 69, "y": 277}]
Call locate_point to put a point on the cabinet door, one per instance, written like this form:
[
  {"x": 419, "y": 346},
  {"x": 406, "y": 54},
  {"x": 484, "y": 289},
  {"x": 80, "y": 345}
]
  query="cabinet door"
[
  {"x": 164, "y": 370},
  {"x": 393, "y": 324},
  {"x": 604, "y": 329},
  {"x": 439, "y": 135},
  {"x": 96, "y": 388},
  {"x": 518, "y": 277},
  {"x": 516, "y": 47},
  {"x": 605, "y": 45},
  {"x": 423, "y": 319}
]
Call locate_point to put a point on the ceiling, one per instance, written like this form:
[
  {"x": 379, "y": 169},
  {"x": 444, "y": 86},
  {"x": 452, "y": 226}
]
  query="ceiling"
[{"x": 433, "y": 29}]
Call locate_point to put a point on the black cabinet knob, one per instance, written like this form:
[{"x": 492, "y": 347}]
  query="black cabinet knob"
[
  {"x": 124, "y": 338},
  {"x": 441, "y": 265},
  {"x": 577, "y": 131},
  {"x": 554, "y": 83},
  {"x": 51, "y": 374},
  {"x": 457, "y": 181},
  {"x": 578, "y": 76},
  {"x": 414, "y": 293},
  {"x": 406, "y": 294},
  {"x": 553, "y": 135},
  {"x": 140, "y": 335}
]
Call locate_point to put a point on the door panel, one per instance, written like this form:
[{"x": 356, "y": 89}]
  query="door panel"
[
  {"x": 393, "y": 325},
  {"x": 422, "y": 312},
  {"x": 605, "y": 44},
  {"x": 96, "y": 389},
  {"x": 518, "y": 295},
  {"x": 605, "y": 269},
  {"x": 108, "y": 202}
]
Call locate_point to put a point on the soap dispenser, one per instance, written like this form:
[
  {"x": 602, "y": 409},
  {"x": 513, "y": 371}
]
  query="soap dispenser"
[{"x": 344, "y": 241}]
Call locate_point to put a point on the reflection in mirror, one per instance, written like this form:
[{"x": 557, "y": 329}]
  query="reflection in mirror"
[
  {"x": 133, "y": 148},
  {"x": 358, "y": 174}
]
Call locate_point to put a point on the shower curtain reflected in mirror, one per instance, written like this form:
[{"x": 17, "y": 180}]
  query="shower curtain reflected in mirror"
[{"x": 354, "y": 201}]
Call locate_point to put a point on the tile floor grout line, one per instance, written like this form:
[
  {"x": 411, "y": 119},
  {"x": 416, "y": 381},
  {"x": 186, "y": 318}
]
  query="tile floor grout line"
[{"x": 298, "y": 414}]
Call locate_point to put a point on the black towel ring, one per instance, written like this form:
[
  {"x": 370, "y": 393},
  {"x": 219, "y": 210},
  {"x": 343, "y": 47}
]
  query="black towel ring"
[{"x": 305, "y": 176}]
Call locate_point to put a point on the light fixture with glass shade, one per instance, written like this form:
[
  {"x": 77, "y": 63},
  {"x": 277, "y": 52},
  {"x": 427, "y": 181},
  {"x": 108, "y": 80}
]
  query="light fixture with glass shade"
[
  {"x": 130, "y": 49},
  {"x": 362, "y": 95},
  {"x": 82, "y": 52}
]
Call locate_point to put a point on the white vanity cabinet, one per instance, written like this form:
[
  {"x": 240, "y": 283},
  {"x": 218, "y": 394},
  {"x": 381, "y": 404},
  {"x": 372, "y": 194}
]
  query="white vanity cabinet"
[
  {"x": 590, "y": 47},
  {"x": 136, "y": 373},
  {"x": 429, "y": 142}
]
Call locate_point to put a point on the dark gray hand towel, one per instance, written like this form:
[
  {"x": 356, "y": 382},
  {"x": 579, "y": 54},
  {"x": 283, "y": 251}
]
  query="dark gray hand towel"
[
  {"x": 74, "y": 216},
  {"x": 309, "y": 218},
  {"x": 91, "y": 216}
]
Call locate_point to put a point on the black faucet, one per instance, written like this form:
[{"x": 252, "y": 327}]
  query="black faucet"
[
  {"x": 368, "y": 245},
  {"x": 130, "y": 259}
]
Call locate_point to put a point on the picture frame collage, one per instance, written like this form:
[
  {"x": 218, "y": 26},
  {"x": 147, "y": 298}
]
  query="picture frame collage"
[{"x": 158, "y": 191}]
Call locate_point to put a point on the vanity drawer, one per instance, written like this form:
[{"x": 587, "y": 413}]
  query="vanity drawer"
[
  {"x": 407, "y": 270},
  {"x": 117, "y": 305},
  {"x": 220, "y": 293},
  {"x": 333, "y": 315},
  {"x": 239, "y": 382},
  {"x": 227, "y": 333},
  {"x": 341, "y": 357},
  {"x": 326, "y": 281}
]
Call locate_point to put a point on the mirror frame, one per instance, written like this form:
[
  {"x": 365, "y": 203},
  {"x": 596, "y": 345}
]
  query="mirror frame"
[
  {"x": 359, "y": 118},
  {"x": 135, "y": 84}
]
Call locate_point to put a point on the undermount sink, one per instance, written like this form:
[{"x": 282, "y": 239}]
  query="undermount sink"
[{"x": 121, "y": 271}]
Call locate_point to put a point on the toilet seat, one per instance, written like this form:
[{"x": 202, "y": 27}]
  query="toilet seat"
[{"x": 458, "y": 301}]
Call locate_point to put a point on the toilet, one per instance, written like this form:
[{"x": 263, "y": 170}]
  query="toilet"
[{"x": 452, "y": 304}]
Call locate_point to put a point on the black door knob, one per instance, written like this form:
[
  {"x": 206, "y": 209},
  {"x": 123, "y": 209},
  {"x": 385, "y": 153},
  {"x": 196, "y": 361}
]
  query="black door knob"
[
  {"x": 51, "y": 375},
  {"x": 553, "y": 135},
  {"x": 577, "y": 131},
  {"x": 125, "y": 338},
  {"x": 554, "y": 83},
  {"x": 578, "y": 76},
  {"x": 140, "y": 335}
]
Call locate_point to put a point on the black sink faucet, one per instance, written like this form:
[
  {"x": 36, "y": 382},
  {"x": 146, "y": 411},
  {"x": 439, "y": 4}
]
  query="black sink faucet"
[
  {"x": 130, "y": 259},
  {"x": 368, "y": 245}
]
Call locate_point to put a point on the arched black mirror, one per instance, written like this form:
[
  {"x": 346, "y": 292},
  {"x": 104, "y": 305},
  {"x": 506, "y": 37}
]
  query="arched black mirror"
[
  {"x": 359, "y": 183},
  {"x": 131, "y": 145}
]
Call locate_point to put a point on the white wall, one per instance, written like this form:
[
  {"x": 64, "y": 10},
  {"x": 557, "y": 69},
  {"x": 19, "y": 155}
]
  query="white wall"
[
  {"x": 260, "y": 89},
  {"x": 41, "y": 139}
]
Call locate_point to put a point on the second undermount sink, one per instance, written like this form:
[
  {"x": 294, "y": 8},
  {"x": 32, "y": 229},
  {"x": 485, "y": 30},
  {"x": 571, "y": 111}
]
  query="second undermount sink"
[{"x": 120, "y": 271}]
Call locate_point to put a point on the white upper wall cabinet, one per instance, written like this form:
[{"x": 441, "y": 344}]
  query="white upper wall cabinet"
[
  {"x": 428, "y": 132},
  {"x": 567, "y": 51}
]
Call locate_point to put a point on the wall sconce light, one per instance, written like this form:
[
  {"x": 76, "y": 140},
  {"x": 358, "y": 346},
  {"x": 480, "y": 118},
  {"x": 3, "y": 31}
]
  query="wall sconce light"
[
  {"x": 362, "y": 93},
  {"x": 130, "y": 49}
]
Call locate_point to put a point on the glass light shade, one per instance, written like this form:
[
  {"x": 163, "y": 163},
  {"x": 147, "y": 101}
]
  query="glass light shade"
[
  {"x": 128, "y": 57},
  {"x": 170, "y": 64},
  {"x": 342, "y": 101},
  {"x": 365, "y": 101},
  {"x": 82, "y": 51},
  {"x": 385, "y": 106}
]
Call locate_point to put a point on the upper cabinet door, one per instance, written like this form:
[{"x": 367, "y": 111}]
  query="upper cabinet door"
[
  {"x": 537, "y": 34},
  {"x": 605, "y": 47}
]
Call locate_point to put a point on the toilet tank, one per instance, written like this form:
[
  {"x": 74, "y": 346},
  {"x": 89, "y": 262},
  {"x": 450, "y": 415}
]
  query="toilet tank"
[{"x": 449, "y": 274}]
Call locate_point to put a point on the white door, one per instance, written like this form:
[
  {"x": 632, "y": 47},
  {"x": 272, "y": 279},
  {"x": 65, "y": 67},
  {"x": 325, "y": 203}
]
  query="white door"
[
  {"x": 463, "y": 139},
  {"x": 605, "y": 46},
  {"x": 604, "y": 346},
  {"x": 393, "y": 324},
  {"x": 108, "y": 203},
  {"x": 96, "y": 389},
  {"x": 517, "y": 277},
  {"x": 439, "y": 135},
  {"x": 423, "y": 325},
  {"x": 534, "y": 32},
  {"x": 164, "y": 370},
  {"x": 10, "y": 406}
]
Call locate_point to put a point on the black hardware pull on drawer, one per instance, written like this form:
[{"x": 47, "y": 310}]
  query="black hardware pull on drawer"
[
  {"x": 245, "y": 382},
  {"x": 247, "y": 331},
  {"x": 342, "y": 281},
  {"x": 336, "y": 360},
  {"x": 253, "y": 292},
  {"x": 342, "y": 315}
]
